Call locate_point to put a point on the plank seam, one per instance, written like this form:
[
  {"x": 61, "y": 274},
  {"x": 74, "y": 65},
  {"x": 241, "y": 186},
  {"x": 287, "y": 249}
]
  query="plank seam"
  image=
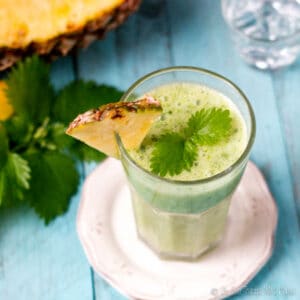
[
  {"x": 93, "y": 283},
  {"x": 169, "y": 33},
  {"x": 285, "y": 146},
  {"x": 75, "y": 66}
]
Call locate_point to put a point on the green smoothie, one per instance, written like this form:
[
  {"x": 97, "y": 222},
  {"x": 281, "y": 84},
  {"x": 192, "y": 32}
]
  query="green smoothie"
[
  {"x": 182, "y": 216},
  {"x": 179, "y": 101}
]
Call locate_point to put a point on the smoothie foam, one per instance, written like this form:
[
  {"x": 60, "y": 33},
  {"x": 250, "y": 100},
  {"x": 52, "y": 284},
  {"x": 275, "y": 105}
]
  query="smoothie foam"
[{"x": 179, "y": 101}]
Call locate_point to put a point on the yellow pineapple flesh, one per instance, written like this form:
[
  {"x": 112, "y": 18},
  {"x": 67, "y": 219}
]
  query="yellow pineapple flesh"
[
  {"x": 55, "y": 27},
  {"x": 6, "y": 109},
  {"x": 130, "y": 120}
]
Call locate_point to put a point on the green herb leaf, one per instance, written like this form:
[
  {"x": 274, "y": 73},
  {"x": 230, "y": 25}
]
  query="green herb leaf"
[
  {"x": 3, "y": 146},
  {"x": 19, "y": 131},
  {"x": 171, "y": 154},
  {"x": 190, "y": 154},
  {"x": 54, "y": 180},
  {"x": 209, "y": 126},
  {"x": 79, "y": 96},
  {"x": 29, "y": 89},
  {"x": 14, "y": 179},
  {"x": 57, "y": 136},
  {"x": 174, "y": 152},
  {"x": 85, "y": 153},
  {"x": 36, "y": 131}
]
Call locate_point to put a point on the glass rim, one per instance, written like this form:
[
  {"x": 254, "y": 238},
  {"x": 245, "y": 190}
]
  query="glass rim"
[{"x": 234, "y": 165}]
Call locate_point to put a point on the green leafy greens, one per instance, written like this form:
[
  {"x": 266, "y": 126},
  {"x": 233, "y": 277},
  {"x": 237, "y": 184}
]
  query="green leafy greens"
[
  {"x": 37, "y": 159},
  {"x": 175, "y": 152},
  {"x": 29, "y": 89}
]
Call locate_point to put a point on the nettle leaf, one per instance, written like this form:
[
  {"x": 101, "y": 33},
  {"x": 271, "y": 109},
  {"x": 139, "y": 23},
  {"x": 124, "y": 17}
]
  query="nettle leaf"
[
  {"x": 3, "y": 146},
  {"x": 86, "y": 153},
  {"x": 172, "y": 154},
  {"x": 19, "y": 130},
  {"x": 36, "y": 132},
  {"x": 14, "y": 179},
  {"x": 190, "y": 154},
  {"x": 54, "y": 179},
  {"x": 29, "y": 89},
  {"x": 80, "y": 96},
  {"x": 58, "y": 137},
  {"x": 209, "y": 126}
]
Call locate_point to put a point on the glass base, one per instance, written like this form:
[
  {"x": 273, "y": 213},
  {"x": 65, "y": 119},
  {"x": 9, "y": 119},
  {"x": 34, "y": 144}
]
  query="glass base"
[
  {"x": 266, "y": 59},
  {"x": 180, "y": 236},
  {"x": 179, "y": 256}
]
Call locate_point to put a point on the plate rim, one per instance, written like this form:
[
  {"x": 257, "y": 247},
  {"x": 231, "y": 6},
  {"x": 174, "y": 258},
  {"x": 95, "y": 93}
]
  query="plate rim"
[{"x": 122, "y": 289}]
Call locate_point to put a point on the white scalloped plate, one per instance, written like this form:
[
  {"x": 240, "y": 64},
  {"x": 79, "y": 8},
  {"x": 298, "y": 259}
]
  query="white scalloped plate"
[{"x": 107, "y": 232}]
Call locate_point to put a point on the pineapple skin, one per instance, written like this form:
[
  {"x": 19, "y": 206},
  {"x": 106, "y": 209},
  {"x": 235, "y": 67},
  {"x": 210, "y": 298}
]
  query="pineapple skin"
[{"x": 76, "y": 36}]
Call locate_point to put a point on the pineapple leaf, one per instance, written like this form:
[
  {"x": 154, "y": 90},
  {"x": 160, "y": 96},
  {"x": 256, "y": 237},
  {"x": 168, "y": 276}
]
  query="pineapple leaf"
[{"x": 79, "y": 96}]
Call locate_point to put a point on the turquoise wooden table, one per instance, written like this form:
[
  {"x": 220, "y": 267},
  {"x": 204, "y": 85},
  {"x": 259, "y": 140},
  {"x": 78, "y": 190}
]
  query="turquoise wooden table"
[{"x": 38, "y": 262}]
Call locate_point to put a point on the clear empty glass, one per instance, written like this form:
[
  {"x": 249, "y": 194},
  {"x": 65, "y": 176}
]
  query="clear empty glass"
[{"x": 265, "y": 32}]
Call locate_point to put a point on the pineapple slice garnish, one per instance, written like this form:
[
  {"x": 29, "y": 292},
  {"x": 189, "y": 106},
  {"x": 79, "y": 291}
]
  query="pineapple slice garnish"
[{"x": 130, "y": 120}]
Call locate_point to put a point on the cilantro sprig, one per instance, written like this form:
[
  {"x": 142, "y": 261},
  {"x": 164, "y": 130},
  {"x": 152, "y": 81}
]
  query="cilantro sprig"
[
  {"x": 177, "y": 151},
  {"x": 38, "y": 161}
]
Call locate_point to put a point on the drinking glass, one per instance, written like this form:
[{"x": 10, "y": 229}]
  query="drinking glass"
[
  {"x": 183, "y": 219},
  {"x": 266, "y": 33}
]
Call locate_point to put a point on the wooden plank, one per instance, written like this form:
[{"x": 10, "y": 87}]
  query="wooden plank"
[
  {"x": 62, "y": 72},
  {"x": 287, "y": 90},
  {"x": 210, "y": 46},
  {"x": 43, "y": 262},
  {"x": 104, "y": 291}
]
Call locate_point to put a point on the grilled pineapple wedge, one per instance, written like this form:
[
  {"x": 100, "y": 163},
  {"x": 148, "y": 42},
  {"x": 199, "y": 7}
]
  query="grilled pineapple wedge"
[{"x": 130, "y": 120}]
